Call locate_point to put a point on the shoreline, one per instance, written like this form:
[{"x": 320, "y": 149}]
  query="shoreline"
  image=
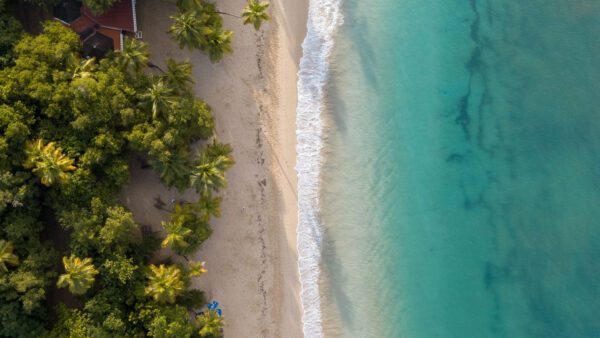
[{"x": 251, "y": 257}]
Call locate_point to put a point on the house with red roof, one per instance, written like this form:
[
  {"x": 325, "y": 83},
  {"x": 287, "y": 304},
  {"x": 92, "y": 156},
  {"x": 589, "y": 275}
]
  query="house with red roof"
[{"x": 98, "y": 33}]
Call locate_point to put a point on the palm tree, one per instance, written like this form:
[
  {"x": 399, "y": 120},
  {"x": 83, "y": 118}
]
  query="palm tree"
[
  {"x": 178, "y": 74},
  {"x": 220, "y": 149},
  {"x": 174, "y": 169},
  {"x": 208, "y": 174},
  {"x": 7, "y": 256},
  {"x": 218, "y": 43},
  {"x": 79, "y": 275},
  {"x": 207, "y": 206},
  {"x": 210, "y": 324},
  {"x": 190, "y": 5},
  {"x": 159, "y": 98},
  {"x": 196, "y": 268},
  {"x": 165, "y": 283},
  {"x": 176, "y": 234},
  {"x": 84, "y": 68},
  {"x": 189, "y": 30},
  {"x": 48, "y": 162},
  {"x": 133, "y": 56},
  {"x": 255, "y": 13}
]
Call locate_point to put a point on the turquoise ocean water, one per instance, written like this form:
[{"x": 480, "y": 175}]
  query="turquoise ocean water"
[{"x": 460, "y": 193}]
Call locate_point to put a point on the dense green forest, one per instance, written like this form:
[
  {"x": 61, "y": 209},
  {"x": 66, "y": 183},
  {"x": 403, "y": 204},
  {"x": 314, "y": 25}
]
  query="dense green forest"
[{"x": 69, "y": 128}]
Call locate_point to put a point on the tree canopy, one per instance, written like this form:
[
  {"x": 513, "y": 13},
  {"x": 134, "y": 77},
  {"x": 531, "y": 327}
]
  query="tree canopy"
[
  {"x": 69, "y": 126},
  {"x": 198, "y": 25},
  {"x": 255, "y": 13}
]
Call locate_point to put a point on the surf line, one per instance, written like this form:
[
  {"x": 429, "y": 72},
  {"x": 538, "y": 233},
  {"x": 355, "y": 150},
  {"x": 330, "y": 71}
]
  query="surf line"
[{"x": 324, "y": 18}]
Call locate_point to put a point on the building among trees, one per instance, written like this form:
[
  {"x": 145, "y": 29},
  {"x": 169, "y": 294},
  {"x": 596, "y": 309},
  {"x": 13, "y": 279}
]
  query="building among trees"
[{"x": 98, "y": 33}]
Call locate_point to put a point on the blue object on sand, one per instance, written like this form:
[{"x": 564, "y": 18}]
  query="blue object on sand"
[
  {"x": 220, "y": 312},
  {"x": 215, "y": 304},
  {"x": 209, "y": 306}
]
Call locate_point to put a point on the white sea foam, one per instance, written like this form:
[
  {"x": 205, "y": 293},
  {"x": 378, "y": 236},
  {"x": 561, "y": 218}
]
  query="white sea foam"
[{"x": 324, "y": 17}]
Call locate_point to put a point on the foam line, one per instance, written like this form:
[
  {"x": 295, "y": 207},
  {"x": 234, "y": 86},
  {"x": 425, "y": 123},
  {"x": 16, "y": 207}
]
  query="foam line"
[{"x": 324, "y": 18}]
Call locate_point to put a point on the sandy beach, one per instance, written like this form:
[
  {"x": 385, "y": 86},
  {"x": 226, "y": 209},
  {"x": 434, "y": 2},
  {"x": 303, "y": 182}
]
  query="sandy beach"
[{"x": 251, "y": 257}]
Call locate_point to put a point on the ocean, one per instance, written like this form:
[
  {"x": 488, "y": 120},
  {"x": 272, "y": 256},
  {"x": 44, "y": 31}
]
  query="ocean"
[{"x": 449, "y": 169}]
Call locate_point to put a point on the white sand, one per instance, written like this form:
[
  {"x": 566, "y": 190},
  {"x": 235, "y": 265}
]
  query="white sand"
[{"x": 251, "y": 257}]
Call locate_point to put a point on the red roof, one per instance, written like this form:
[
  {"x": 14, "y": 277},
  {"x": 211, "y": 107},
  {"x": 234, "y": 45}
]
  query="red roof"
[
  {"x": 81, "y": 24},
  {"x": 120, "y": 16}
]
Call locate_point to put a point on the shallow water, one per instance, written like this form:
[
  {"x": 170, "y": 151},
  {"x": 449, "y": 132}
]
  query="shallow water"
[{"x": 460, "y": 195}]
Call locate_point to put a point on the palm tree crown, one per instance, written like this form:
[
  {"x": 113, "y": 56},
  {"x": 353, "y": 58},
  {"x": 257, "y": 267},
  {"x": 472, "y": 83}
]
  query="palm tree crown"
[
  {"x": 176, "y": 234},
  {"x": 255, "y": 13},
  {"x": 210, "y": 324},
  {"x": 207, "y": 206},
  {"x": 189, "y": 30},
  {"x": 165, "y": 283},
  {"x": 209, "y": 173},
  {"x": 84, "y": 68},
  {"x": 79, "y": 274},
  {"x": 173, "y": 169},
  {"x": 133, "y": 56},
  {"x": 7, "y": 256},
  {"x": 218, "y": 43},
  {"x": 196, "y": 268},
  {"x": 159, "y": 98},
  {"x": 190, "y": 5},
  {"x": 178, "y": 74},
  {"x": 48, "y": 162}
]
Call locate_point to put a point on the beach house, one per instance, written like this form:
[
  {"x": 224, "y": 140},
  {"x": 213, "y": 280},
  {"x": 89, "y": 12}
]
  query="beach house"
[{"x": 99, "y": 33}]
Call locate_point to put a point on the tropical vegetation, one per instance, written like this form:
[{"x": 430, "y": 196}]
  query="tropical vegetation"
[
  {"x": 70, "y": 128},
  {"x": 79, "y": 275},
  {"x": 211, "y": 324},
  {"x": 255, "y": 13},
  {"x": 199, "y": 25}
]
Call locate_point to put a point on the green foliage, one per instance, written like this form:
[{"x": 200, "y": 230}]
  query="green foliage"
[
  {"x": 209, "y": 169},
  {"x": 118, "y": 269},
  {"x": 209, "y": 206},
  {"x": 22, "y": 291},
  {"x": 255, "y": 13},
  {"x": 165, "y": 283},
  {"x": 45, "y": 4},
  {"x": 48, "y": 162},
  {"x": 97, "y": 111},
  {"x": 196, "y": 268},
  {"x": 98, "y": 7},
  {"x": 102, "y": 229},
  {"x": 176, "y": 234},
  {"x": 192, "y": 299},
  {"x": 188, "y": 30},
  {"x": 72, "y": 323},
  {"x": 198, "y": 25},
  {"x": 210, "y": 324},
  {"x": 173, "y": 169},
  {"x": 10, "y": 31},
  {"x": 15, "y": 124},
  {"x": 14, "y": 190},
  {"x": 159, "y": 99},
  {"x": 7, "y": 256},
  {"x": 172, "y": 323},
  {"x": 218, "y": 44},
  {"x": 185, "y": 231},
  {"x": 179, "y": 75},
  {"x": 134, "y": 55},
  {"x": 79, "y": 275}
]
